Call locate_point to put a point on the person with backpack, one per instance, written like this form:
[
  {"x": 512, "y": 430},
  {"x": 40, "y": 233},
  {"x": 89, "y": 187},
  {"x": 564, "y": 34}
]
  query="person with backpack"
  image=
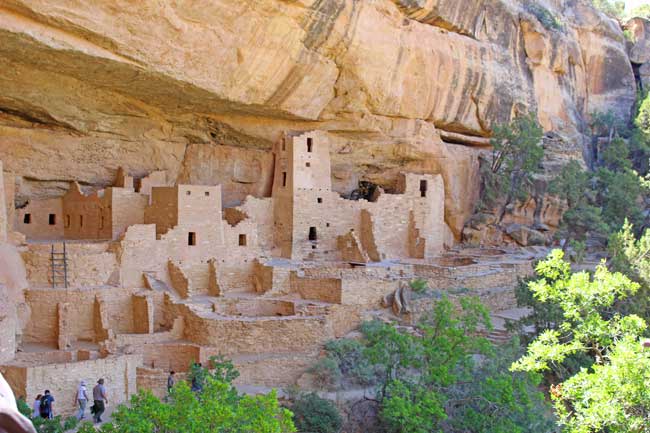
[
  {"x": 81, "y": 399},
  {"x": 46, "y": 408},
  {"x": 101, "y": 400}
]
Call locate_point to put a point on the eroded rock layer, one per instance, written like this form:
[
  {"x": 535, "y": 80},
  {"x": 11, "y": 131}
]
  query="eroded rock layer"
[{"x": 203, "y": 89}]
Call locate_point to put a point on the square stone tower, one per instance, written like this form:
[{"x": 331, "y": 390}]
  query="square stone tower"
[{"x": 302, "y": 177}]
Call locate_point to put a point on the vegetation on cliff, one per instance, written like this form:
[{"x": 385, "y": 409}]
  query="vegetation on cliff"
[
  {"x": 217, "y": 408},
  {"x": 599, "y": 201},
  {"x": 609, "y": 391},
  {"x": 441, "y": 375},
  {"x": 516, "y": 157}
]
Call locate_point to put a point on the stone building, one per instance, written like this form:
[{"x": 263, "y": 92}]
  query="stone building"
[
  {"x": 309, "y": 217},
  {"x": 104, "y": 214},
  {"x": 160, "y": 275}
]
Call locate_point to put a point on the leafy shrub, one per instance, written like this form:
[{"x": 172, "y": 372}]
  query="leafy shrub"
[
  {"x": 326, "y": 373},
  {"x": 217, "y": 408},
  {"x": 70, "y": 423},
  {"x": 348, "y": 355},
  {"x": 548, "y": 20},
  {"x": 613, "y": 8},
  {"x": 419, "y": 286},
  {"x": 314, "y": 414},
  {"x": 427, "y": 379},
  {"x": 610, "y": 395},
  {"x": 631, "y": 256},
  {"x": 24, "y": 408},
  {"x": 507, "y": 175},
  {"x": 54, "y": 425},
  {"x": 583, "y": 215},
  {"x": 579, "y": 251}
]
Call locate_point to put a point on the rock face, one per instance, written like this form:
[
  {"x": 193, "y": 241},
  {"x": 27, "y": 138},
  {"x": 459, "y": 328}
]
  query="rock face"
[
  {"x": 639, "y": 30},
  {"x": 203, "y": 88}
]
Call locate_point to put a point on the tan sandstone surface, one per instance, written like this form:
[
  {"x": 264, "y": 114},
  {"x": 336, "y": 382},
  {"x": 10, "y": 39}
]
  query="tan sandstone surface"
[
  {"x": 88, "y": 86},
  {"x": 202, "y": 161}
]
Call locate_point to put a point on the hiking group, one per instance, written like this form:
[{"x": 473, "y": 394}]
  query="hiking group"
[{"x": 44, "y": 403}]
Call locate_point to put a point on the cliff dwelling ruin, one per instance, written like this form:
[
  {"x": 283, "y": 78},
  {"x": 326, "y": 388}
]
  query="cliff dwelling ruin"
[{"x": 145, "y": 276}]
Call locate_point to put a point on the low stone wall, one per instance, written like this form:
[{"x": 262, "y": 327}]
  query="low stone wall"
[
  {"x": 255, "y": 335},
  {"x": 273, "y": 370},
  {"x": 170, "y": 356},
  {"x": 367, "y": 292},
  {"x": 62, "y": 379},
  {"x": 254, "y": 307},
  {"x": 319, "y": 289}
]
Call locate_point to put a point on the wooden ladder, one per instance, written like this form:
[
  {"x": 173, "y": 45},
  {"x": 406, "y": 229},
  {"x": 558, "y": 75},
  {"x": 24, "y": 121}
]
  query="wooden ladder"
[{"x": 59, "y": 267}]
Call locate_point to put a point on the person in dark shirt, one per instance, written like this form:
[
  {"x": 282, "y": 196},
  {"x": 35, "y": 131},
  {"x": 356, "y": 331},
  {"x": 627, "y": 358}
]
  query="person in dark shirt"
[
  {"x": 170, "y": 381},
  {"x": 100, "y": 399},
  {"x": 47, "y": 405}
]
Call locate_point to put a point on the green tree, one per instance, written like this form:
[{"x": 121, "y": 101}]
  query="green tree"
[
  {"x": 620, "y": 193},
  {"x": 613, "y": 8},
  {"x": 611, "y": 395},
  {"x": 516, "y": 156},
  {"x": 631, "y": 256},
  {"x": 428, "y": 380},
  {"x": 314, "y": 414},
  {"x": 218, "y": 408},
  {"x": 582, "y": 215},
  {"x": 642, "y": 11}
]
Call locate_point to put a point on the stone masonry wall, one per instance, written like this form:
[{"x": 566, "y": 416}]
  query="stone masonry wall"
[{"x": 62, "y": 380}]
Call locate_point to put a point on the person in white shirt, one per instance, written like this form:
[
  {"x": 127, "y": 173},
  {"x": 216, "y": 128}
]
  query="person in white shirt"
[
  {"x": 81, "y": 399},
  {"x": 36, "y": 407}
]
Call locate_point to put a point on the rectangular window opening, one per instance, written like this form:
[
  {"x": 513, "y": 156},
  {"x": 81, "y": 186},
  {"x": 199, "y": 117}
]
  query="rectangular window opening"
[
  {"x": 27, "y": 219},
  {"x": 207, "y": 193},
  {"x": 51, "y": 219},
  {"x": 188, "y": 192},
  {"x": 308, "y": 164},
  {"x": 242, "y": 240},
  {"x": 81, "y": 220},
  {"x": 284, "y": 178},
  {"x": 423, "y": 188},
  {"x": 319, "y": 199},
  {"x": 191, "y": 238},
  {"x": 67, "y": 220},
  {"x": 313, "y": 236},
  {"x": 310, "y": 144},
  {"x": 101, "y": 221}
]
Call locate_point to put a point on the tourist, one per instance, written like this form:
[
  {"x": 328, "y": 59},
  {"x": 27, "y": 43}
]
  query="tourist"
[
  {"x": 197, "y": 377},
  {"x": 46, "y": 408},
  {"x": 81, "y": 399},
  {"x": 101, "y": 400},
  {"x": 170, "y": 381},
  {"x": 11, "y": 421},
  {"x": 36, "y": 406}
]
